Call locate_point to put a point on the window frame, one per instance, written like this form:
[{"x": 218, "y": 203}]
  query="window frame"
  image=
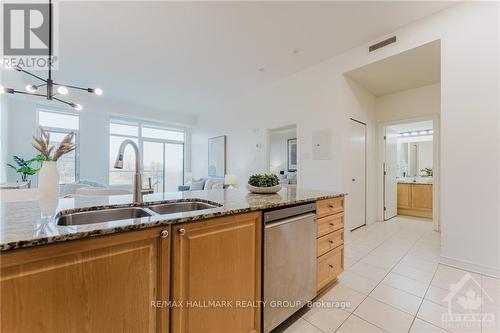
[
  {"x": 141, "y": 139},
  {"x": 62, "y": 130}
]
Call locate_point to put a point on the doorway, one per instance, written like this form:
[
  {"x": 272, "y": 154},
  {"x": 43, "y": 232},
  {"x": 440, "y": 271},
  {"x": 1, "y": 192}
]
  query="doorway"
[
  {"x": 357, "y": 184},
  {"x": 409, "y": 164},
  {"x": 283, "y": 154}
]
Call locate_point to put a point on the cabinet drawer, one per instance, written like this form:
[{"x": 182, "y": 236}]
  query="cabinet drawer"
[
  {"x": 330, "y": 241},
  {"x": 330, "y": 223},
  {"x": 330, "y": 206},
  {"x": 330, "y": 265}
]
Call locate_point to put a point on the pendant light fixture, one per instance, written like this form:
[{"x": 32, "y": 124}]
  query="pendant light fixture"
[{"x": 52, "y": 89}]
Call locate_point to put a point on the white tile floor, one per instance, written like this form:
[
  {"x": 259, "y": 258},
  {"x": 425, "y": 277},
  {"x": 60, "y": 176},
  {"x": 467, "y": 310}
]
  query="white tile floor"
[{"x": 393, "y": 282}]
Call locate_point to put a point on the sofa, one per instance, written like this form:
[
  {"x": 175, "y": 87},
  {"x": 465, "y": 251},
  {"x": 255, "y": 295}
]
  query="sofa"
[{"x": 205, "y": 183}]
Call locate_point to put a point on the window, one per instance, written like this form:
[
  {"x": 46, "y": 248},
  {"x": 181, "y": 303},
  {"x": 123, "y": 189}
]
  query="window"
[
  {"x": 162, "y": 151},
  {"x": 58, "y": 124}
]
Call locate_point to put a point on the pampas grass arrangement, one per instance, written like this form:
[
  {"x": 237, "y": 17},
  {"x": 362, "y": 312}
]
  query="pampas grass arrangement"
[{"x": 42, "y": 145}]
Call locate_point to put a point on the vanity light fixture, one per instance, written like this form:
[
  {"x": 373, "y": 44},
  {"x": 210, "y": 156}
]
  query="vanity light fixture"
[
  {"x": 415, "y": 133},
  {"x": 52, "y": 88}
]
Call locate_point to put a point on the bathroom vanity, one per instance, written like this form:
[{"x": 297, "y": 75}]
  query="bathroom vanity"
[{"x": 415, "y": 198}]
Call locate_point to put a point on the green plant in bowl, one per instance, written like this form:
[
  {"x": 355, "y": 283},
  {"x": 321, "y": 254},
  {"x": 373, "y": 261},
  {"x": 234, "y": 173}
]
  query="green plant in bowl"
[
  {"x": 264, "y": 184},
  {"x": 263, "y": 180}
]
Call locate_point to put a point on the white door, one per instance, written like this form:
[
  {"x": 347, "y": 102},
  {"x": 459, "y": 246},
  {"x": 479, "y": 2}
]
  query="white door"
[
  {"x": 390, "y": 174},
  {"x": 357, "y": 184}
]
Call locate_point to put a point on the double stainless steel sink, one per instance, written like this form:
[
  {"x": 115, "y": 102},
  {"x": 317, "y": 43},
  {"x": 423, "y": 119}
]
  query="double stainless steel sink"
[{"x": 122, "y": 213}]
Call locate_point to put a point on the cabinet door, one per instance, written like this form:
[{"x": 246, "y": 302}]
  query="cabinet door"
[
  {"x": 214, "y": 261},
  {"x": 105, "y": 284},
  {"x": 404, "y": 195},
  {"x": 421, "y": 196}
]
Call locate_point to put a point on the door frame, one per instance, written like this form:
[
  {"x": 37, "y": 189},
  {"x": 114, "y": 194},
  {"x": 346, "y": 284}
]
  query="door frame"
[
  {"x": 366, "y": 165},
  {"x": 383, "y": 179},
  {"x": 436, "y": 161},
  {"x": 268, "y": 132}
]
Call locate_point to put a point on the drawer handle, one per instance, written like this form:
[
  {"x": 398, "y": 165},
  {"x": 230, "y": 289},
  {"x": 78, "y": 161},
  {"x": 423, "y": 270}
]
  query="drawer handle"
[
  {"x": 181, "y": 231},
  {"x": 331, "y": 224},
  {"x": 331, "y": 206},
  {"x": 164, "y": 233},
  {"x": 331, "y": 266},
  {"x": 331, "y": 242}
]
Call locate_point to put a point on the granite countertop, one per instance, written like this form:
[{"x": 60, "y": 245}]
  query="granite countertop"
[{"x": 22, "y": 224}]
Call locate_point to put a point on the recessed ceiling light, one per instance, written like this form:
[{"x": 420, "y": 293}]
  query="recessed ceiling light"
[
  {"x": 296, "y": 50},
  {"x": 261, "y": 69}
]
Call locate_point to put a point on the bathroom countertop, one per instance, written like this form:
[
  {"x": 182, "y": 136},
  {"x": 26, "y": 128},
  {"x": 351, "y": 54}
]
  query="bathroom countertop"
[
  {"x": 22, "y": 224},
  {"x": 418, "y": 181}
]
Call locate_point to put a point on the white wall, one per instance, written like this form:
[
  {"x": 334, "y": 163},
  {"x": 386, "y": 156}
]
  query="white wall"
[
  {"x": 412, "y": 103},
  {"x": 320, "y": 97},
  {"x": 315, "y": 99}
]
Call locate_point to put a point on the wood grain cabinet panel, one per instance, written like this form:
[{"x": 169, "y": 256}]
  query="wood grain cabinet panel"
[
  {"x": 404, "y": 195},
  {"x": 330, "y": 241},
  {"x": 329, "y": 206},
  {"x": 330, "y": 265},
  {"x": 217, "y": 260},
  {"x": 329, "y": 224},
  {"x": 421, "y": 196},
  {"x": 415, "y": 200},
  {"x": 104, "y": 284}
]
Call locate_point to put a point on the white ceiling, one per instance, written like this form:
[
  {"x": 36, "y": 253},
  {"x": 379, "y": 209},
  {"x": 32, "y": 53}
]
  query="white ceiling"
[
  {"x": 186, "y": 57},
  {"x": 412, "y": 127},
  {"x": 411, "y": 69}
]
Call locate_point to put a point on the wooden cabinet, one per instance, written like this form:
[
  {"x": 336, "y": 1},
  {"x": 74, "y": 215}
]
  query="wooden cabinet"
[
  {"x": 103, "y": 284},
  {"x": 214, "y": 261},
  {"x": 415, "y": 200},
  {"x": 330, "y": 240},
  {"x": 404, "y": 196}
]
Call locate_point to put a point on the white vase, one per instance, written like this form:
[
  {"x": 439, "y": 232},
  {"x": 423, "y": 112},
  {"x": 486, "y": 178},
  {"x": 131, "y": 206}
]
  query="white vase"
[{"x": 48, "y": 188}]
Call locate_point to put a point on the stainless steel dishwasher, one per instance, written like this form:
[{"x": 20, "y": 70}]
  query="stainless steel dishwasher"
[{"x": 289, "y": 262}]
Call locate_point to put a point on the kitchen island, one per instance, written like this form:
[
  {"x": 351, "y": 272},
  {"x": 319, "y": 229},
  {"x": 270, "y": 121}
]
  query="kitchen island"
[{"x": 183, "y": 272}]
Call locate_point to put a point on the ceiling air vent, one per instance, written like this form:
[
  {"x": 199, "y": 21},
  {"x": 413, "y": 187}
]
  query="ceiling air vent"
[{"x": 382, "y": 44}]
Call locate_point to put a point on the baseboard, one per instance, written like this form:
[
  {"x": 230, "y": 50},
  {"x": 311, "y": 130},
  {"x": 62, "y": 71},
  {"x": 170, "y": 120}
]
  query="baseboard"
[{"x": 470, "y": 266}]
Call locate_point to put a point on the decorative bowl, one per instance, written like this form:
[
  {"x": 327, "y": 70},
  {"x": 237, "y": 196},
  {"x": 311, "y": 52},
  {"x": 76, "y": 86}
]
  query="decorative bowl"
[{"x": 264, "y": 190}]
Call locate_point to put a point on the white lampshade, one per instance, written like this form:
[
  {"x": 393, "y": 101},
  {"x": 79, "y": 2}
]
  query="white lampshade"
[{"x": 230, "y": 180}]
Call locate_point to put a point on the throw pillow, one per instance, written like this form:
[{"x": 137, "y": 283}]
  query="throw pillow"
[{"x": 197, "y": 185}]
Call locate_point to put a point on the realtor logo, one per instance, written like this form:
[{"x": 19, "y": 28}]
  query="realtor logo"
[
  {"x": 25, "y": 29},
  {"x": 26, "y": 35},
  {"x": 465, "y": 301}
]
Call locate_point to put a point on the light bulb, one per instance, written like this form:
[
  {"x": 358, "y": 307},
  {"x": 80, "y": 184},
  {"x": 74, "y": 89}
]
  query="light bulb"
[
  {"x": 414, "y": 133},
  {"x": 406, "y": 134},
  {"x": 4, "y": 90},
  {"x": 96, "y": 91},
  {"x": 430, "y": 131},
  {"x": 422, "y": 132},
  {"x": 78, "y": 107},
  {"x": 31, "y": 88},
  {"x": 62, "y": 90}
]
